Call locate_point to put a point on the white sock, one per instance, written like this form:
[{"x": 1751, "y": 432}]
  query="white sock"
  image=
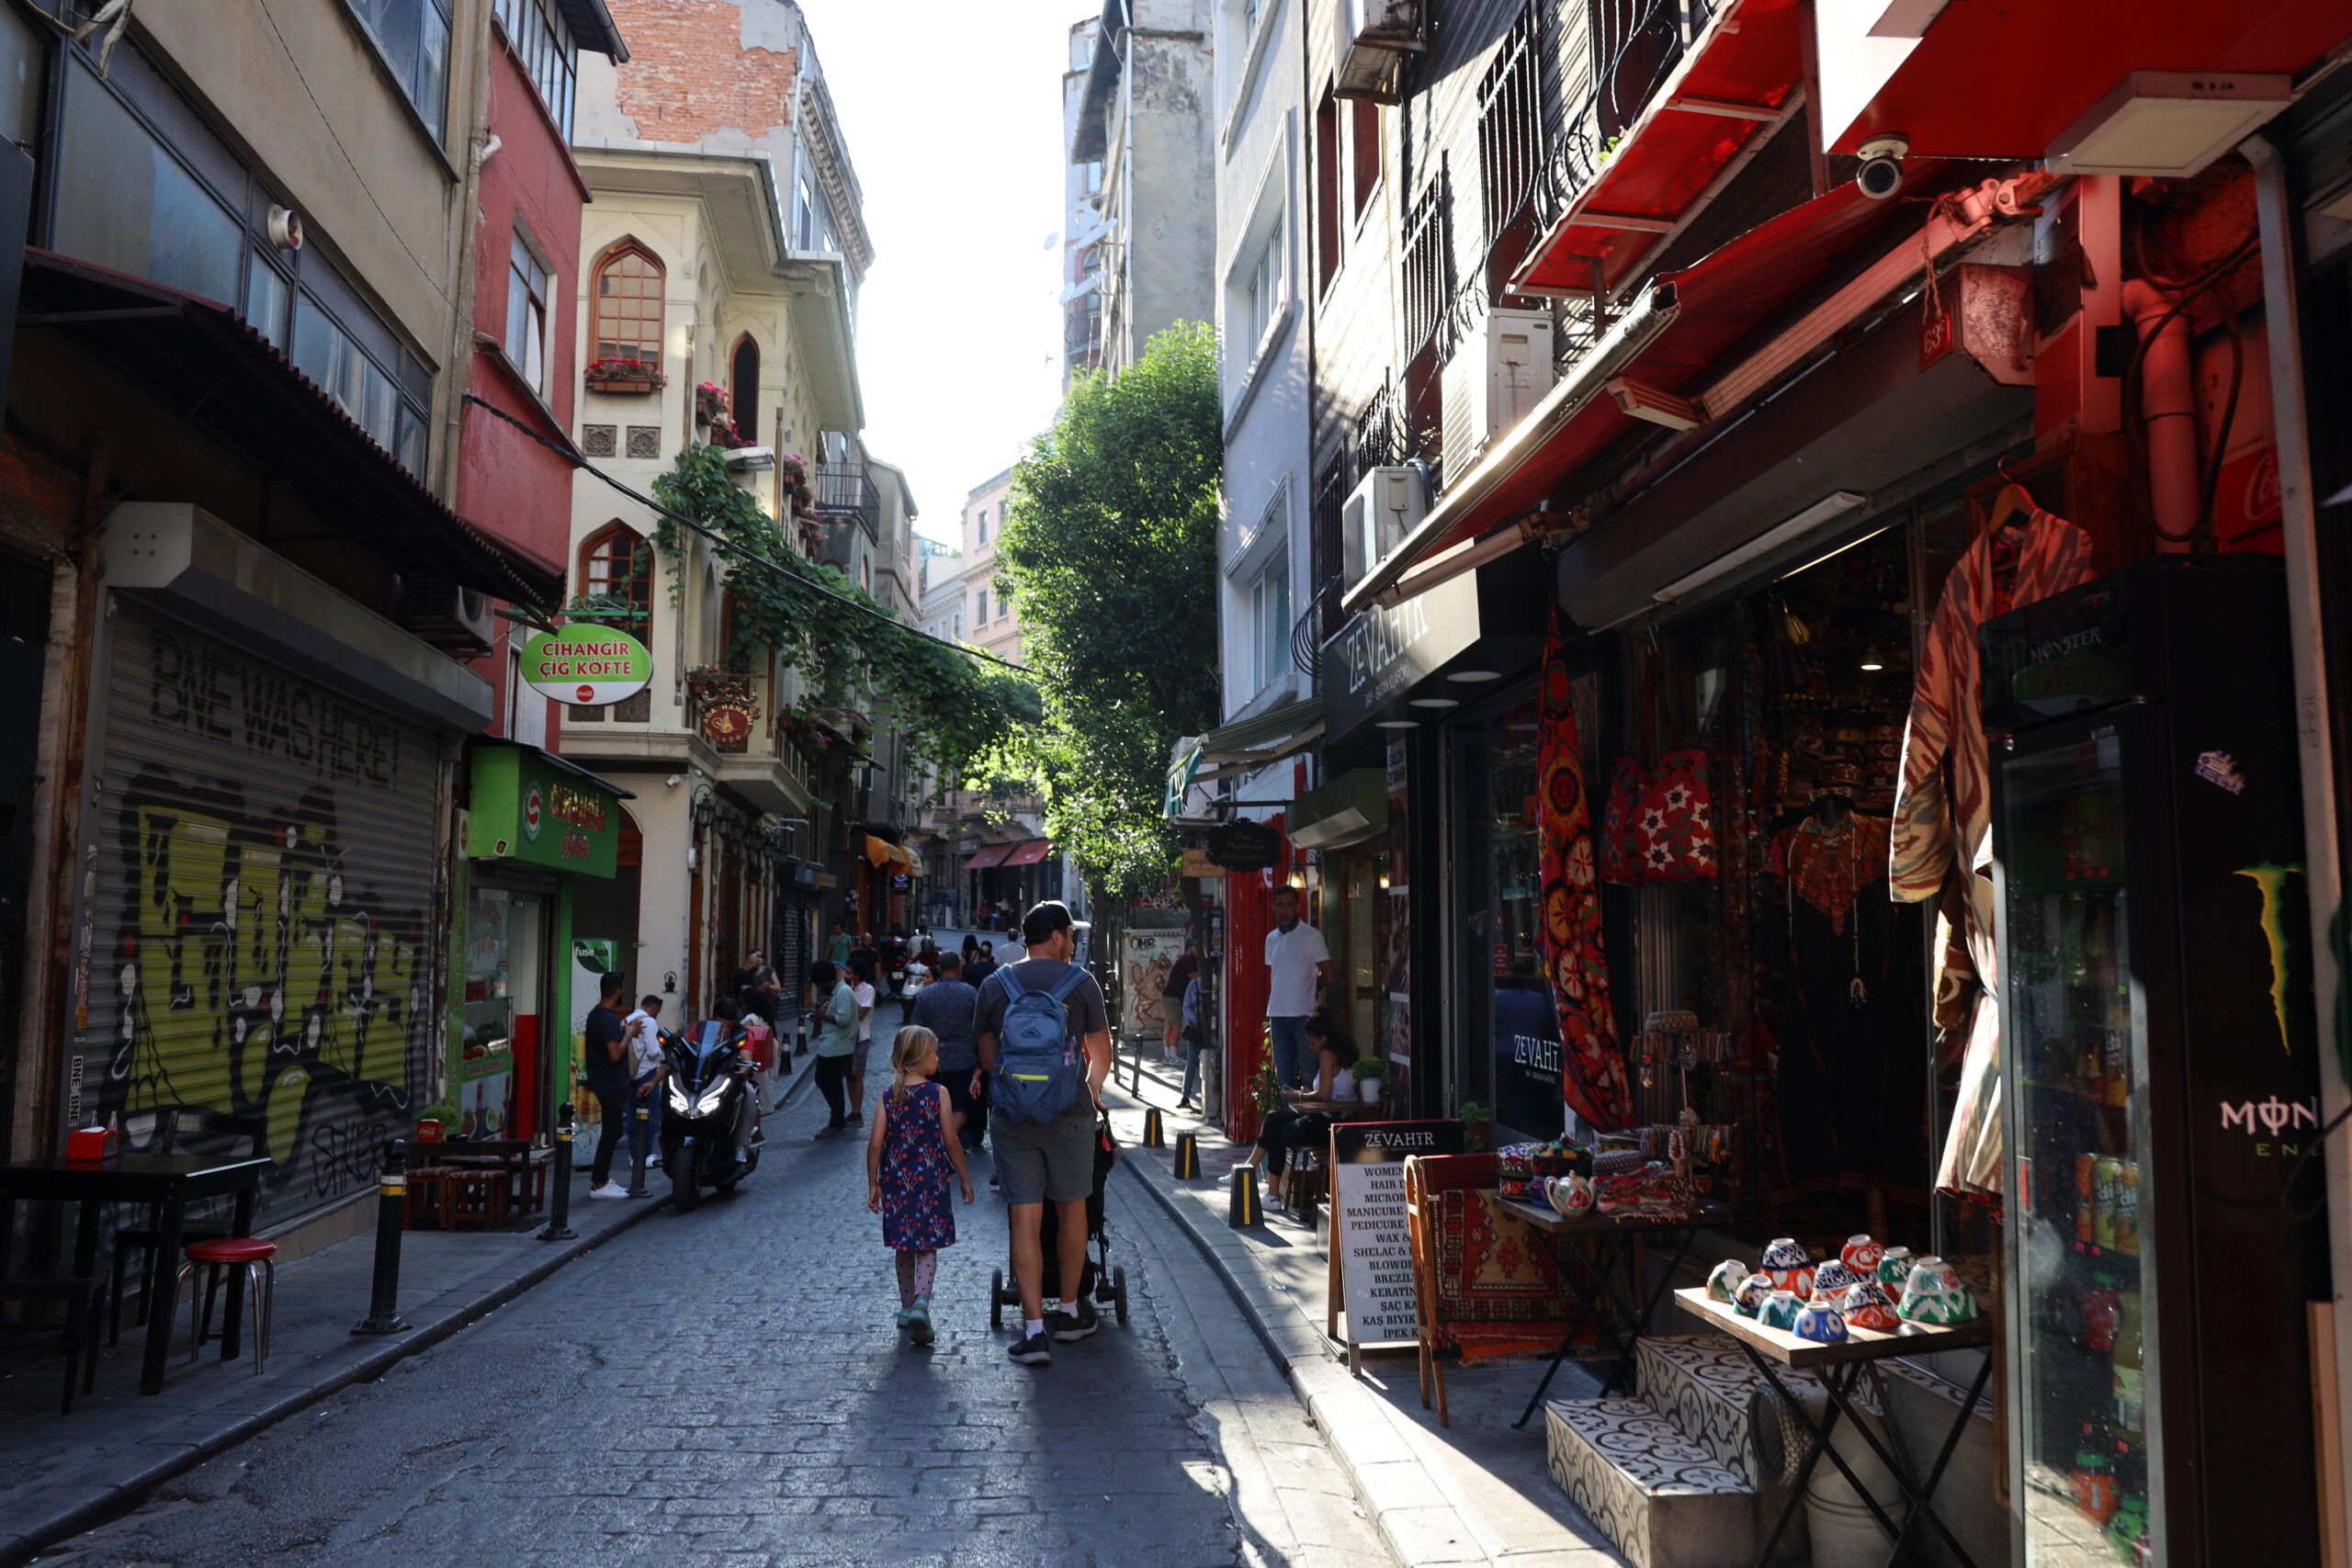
[{"x": 1032, "y": 1326}]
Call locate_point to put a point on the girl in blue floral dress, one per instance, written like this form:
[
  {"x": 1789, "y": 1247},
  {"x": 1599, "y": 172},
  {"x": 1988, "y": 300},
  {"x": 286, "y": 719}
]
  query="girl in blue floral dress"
[{"x": 909, "y": 1158}]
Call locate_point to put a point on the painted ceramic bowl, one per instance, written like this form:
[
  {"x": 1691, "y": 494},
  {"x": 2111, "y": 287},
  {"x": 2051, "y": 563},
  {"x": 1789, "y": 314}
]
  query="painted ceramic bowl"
[
  {"x": 1832, "y": 1276},
  {"x": 1780, "y": 1310},
  {"x": 1934, "y": 1294},
  {"x": 1817, "y": 1320},
  {"x": 1895, "y": 1266},
  {"x": 1726, "y": 1279},
  {"x": 1785, "y": 1252},
  {"x": 1749, "y": 1301},
  {"x": 1861, "y": 1254},
  {"x": 1867, "y": 1305}
]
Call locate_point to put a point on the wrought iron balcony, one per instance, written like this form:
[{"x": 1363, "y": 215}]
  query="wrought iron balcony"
[{"x": 844, "y": 489}]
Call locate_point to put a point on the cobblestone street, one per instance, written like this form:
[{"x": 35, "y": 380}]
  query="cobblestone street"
[{"x": 728, "y": 1387}]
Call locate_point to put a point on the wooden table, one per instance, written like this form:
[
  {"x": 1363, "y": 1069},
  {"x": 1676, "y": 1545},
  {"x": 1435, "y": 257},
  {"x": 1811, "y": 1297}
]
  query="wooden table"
[
  {"x": 168, "y": 1182},
  {"x": 1838, "y": 1367},
  {"x": 1338, "y": 1110},
  {"x": 1588, "y": 1239}
]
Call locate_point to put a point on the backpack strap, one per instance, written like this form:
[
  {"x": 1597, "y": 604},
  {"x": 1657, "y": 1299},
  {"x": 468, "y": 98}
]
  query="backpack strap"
[{"x": 1060, "y": 989}]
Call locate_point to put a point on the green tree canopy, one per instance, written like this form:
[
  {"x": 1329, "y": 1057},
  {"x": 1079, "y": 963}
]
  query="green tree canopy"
[{"x": 1110, "y": 544}]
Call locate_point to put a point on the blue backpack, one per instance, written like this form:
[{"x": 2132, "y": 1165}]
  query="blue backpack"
[{"x": 1040, "y": 1070}]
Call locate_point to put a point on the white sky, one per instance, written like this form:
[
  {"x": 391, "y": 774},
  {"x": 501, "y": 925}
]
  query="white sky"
[{"x": 954, "y": 120}]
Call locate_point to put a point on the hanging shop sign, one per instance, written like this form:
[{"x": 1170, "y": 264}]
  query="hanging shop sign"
[
  {"x": 525, "y": 807},
  {"x": 586, "y": 665},
  {"x": 1382, "y": 653},
  {"x": 1245, "y": 846}
]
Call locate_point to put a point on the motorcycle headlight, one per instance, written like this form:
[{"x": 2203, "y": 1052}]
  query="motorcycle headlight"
[
  {"x": 710, "y": 1099},
  {"x": 678, "y": 1101}
]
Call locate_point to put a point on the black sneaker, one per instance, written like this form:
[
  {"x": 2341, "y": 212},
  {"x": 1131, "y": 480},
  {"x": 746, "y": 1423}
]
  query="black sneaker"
[
  {"x": 1067, "y": 1327},
  {"x": 1037, "y": 1350}
]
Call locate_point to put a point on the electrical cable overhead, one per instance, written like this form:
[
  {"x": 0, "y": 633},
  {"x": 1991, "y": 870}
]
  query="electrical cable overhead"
[{"x": 721, "y": 541}]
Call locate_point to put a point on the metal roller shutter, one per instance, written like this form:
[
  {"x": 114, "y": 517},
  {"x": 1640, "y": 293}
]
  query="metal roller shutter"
[{"x": 261, "y": 932}]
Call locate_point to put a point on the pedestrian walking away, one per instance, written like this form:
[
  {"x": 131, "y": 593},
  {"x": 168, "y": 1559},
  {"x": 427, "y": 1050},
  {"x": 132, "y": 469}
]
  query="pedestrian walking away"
[
  {"x": 949, "y": 1008},
  {"x": 909, "y": 1158},
  {"x": 1171, "y": 999},
  {"x": 1043, "y": 1037},
  {"x": 648, "y": 1065},
  {"x": 836, "y": 1046},
  {"x": 1192, "y": 1039},
  {"x": 604, "y": 1067},
  {"x": 862, "y": 987},
  {"x": 1301, "y": 964}
]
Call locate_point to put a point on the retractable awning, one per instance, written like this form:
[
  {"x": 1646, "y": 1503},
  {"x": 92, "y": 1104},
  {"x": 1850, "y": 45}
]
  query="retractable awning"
[
  {"x": 881, "y": 851},
  {"x": 1030, "y": 853},
  {"x": 1670, "y": 343},
  {"x": 988, "y": 855}
]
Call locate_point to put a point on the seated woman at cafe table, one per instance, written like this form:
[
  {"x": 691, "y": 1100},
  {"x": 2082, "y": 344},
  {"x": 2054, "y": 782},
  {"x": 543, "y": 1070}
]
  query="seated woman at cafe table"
[{"x": 1291, "y": 1128}]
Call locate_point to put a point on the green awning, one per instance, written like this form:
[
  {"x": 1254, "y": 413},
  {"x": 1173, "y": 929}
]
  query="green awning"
[{"x": 1348, "y": 810}]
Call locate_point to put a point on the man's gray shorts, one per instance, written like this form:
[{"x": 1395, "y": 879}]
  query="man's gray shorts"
[{"x": 1050, "y": 1161}]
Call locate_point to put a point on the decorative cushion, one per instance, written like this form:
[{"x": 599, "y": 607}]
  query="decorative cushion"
[
  {"x": 1493, "y": 1266},
  {"x": 1675, "y": 831}
]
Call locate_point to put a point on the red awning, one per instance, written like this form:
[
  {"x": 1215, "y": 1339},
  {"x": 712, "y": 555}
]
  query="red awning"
[
  {"x": 1739, "y": 77},
  {"x": 1030, "y": 853},
  {"x": 1988, "y": 81},
  {"x": 1707, "y": 308},
  {"x": 988, "y": 855}
]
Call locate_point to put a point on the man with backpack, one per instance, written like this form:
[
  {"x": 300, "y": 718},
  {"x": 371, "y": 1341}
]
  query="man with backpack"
[{"x": 1043, "y": 1037}]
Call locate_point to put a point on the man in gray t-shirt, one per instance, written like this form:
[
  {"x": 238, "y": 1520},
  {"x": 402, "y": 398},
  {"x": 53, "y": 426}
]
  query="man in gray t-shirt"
[
  {"x": 947, "y": 1008},
  {"x": 1052, "y": 1162}
]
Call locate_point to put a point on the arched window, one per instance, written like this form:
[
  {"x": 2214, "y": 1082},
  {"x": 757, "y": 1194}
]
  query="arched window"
[
  {"x": 618, "y": 562},
  {"x": 627, "y": 302},
  {"x": 745, "y": 388}
]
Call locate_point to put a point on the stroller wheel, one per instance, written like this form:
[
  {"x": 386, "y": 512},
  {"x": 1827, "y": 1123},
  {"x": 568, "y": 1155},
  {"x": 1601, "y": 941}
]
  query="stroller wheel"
[
  {"x": 996, "y": 1298},
  {"x": 1119, "y": 1291}
]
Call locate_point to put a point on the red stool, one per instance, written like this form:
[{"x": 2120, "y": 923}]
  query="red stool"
[{"x": 258, "y": 1259}]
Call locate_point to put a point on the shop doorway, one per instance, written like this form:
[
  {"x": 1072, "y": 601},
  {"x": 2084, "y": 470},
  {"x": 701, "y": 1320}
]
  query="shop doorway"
[{"x": 508, "y": 1000}]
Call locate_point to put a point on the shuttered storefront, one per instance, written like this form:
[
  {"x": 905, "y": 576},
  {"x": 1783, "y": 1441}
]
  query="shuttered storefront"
[{"x": 259, "y": 925}]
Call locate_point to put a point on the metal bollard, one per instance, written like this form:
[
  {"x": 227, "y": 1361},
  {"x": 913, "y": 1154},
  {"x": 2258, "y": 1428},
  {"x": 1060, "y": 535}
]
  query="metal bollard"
[
  {"x": 392, "y": 1215},
  {"x": 559, "y": 1225},
  {"x": 1188, "y": 1157},
  {"x": 1152, "y": 1138},
  {"x": 638, "y": 1142}
]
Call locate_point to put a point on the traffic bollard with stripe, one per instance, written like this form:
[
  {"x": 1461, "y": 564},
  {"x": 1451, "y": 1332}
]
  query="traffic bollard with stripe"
[
  {"x": 1188, "y": 1157},
  {"x": 392, "y": 1215},
  {"x": 559, "y": 1225},
  {"x": 1152, "y": 1138},
  {"x": 642, "y": 1113},
  {"x": 1241, "y": 1206}
]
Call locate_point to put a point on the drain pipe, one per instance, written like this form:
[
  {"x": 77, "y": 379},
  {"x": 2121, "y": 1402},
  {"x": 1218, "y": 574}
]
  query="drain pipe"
[{"x": 2167, "y": 411}]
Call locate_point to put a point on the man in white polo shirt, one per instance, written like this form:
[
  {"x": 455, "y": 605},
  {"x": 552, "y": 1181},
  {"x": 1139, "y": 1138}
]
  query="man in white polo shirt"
[{"x": 1301, "y": 965}]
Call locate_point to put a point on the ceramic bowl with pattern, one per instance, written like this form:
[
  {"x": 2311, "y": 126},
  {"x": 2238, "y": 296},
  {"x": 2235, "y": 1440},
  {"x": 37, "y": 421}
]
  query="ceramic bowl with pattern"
[
  {"x": 1780, "y": 1310},
  {"x": 1867, "y": 1305},
  {"x": 1861, "y": 1254},
  {"x": 1785, "y": 1252},
  {"x": 1817, "y": 1320},
  {"x": 1726, "y": 1279},
  {"x": 1934, "y": 1294},
  {"x": 1831, "y": 1276},
  {"x": 1894, "y": 1267},
  {"x": 1749, "y": 1301}
]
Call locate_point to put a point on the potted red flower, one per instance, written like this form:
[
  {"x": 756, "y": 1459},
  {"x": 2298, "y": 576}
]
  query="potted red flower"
[{"x": 622, "y": 375}]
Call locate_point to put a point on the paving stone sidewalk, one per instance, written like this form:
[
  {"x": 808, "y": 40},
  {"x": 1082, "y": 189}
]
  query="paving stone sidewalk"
[
  {"x": 1474, "y": 1493},
  {"x": 65, "y": 1474}
]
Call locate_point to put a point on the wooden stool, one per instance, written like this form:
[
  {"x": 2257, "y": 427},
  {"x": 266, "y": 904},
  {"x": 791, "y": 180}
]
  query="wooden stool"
[
  {"x": 473, "y": 1200},
  {"x": 426, "y": 1193}
]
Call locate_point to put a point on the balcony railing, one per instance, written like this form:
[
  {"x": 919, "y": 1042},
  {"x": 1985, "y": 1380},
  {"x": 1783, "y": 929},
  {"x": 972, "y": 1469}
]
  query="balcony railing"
[{"x": 843, "y": 489}]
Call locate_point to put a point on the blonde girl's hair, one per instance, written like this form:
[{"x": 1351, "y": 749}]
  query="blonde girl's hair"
[{"x": 906, "y": 1052}]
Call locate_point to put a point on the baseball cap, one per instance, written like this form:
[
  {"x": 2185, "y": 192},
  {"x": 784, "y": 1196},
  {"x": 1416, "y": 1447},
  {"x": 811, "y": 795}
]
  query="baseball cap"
[{"x": 1042, "y": 921}]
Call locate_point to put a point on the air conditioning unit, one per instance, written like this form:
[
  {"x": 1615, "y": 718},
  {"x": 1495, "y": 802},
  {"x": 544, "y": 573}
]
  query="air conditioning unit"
[
  {"x": 454, "y": 619},
  {"x": 1373, "y": 37},
  {"x": 1382, "y": 24},
  {"x": 1494, "y": 380},
  {"x": 1375, "y": 519}
]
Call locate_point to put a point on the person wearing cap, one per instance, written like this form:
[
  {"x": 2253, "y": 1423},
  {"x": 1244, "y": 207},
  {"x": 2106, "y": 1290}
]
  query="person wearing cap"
[{"x": 1052, "y": 1161}]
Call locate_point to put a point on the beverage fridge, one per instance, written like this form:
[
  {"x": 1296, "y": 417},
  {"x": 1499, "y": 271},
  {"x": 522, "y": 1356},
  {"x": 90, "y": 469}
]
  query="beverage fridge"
[{"x": 2159, "y": 1071}]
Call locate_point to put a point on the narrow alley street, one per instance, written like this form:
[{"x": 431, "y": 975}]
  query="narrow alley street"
[{"x": 728, "y": 1387}]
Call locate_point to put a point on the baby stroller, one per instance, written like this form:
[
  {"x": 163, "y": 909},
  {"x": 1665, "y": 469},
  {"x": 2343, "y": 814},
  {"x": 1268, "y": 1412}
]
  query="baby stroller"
[{"x": 1108, "y": 1285}]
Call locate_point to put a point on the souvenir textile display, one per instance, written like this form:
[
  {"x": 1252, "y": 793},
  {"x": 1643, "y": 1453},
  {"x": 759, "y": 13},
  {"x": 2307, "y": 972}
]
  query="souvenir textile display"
[
  {"x": 1941, "y": 835},
  {"x": 1569, "y": 934},
  {"x": 1627, "y": 780},
  {"x": 1674, "y": 830}
]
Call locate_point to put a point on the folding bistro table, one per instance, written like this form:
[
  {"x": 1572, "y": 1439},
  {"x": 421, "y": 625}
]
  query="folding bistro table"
[
  {"x": 1601, "y": 1244},
  {"x": 1838, "y": 1367},
  {"x": 169, "y": 1182}
]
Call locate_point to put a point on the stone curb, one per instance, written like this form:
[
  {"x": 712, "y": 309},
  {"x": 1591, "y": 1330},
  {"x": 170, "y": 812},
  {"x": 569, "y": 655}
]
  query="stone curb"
[
  {"x": 124, "y": 1495},
  {"x": 1390, "y": 1481}
]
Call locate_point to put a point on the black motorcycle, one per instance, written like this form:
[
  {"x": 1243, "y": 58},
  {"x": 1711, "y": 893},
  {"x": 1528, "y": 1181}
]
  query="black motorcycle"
[{"x": 707, "y": 1112}]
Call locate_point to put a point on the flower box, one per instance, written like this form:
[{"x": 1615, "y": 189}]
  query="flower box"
[{"x": 624, "y": 377}]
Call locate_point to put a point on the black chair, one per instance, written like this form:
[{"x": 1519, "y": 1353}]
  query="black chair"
[
  {"x": 144, "y": 1239},
  {"x": 85, "y": 1307}
]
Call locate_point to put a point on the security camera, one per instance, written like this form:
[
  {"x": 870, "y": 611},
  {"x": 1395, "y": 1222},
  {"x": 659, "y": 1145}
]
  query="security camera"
[{"x": 1881, "y": 174}]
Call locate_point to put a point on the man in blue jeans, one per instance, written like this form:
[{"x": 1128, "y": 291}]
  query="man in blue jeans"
[{"x": 1301, "y": 965}]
